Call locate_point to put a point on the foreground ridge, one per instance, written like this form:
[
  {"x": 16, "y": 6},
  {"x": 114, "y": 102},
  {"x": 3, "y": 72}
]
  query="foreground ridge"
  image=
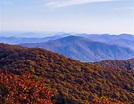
[{"x": 72, "y": 82}]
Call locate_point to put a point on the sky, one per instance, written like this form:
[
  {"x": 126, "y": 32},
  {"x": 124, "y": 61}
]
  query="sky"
[{"x": 73, "y": 16}]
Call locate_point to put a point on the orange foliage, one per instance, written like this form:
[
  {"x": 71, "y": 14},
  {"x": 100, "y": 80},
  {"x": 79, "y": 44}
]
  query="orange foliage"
[
  {"x": 104, "y": 100},
  {"x": 23, "y": 89}
]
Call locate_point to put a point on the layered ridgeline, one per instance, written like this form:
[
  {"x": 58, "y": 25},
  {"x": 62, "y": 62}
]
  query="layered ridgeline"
[
  {"x": 90, "y": 48},
  {"x": 20, "y": 40},
  {"x": 85, "y": 50},
  {"x": 72, "y": 82},
  {"x": 116, "y": 64},
  {"x": 125, "y": 40},
  {"x": 28, "y": 37}
]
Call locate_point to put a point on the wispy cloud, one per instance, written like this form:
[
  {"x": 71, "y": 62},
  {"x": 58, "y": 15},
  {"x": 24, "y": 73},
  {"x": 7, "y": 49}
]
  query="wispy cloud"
[
  {"x": 125, "y": 8},
  {"x": 72, "y": 2}
]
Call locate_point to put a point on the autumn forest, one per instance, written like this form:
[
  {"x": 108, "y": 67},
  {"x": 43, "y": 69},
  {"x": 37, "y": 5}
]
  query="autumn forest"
[{"x": 38, "y": 76}]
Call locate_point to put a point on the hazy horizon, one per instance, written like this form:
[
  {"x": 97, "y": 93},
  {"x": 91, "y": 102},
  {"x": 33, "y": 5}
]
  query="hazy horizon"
[{"x": 30, "y": 34}]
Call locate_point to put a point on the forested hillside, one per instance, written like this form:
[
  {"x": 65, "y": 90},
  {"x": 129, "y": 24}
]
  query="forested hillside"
[
  {"x": 72, "y": 82},
  {"x": 116, "y": 64}
]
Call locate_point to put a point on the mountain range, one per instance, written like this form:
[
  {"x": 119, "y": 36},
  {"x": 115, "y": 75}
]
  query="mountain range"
[
  {"x": 19, "y": 40},
  {"x": 85, "y": 50},
  {"x": 125, "y": 40},
  {"x": 83, "y": 47}
]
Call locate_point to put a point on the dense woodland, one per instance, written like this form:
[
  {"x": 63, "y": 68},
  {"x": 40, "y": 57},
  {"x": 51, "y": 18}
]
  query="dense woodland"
[
  {"x": 116, "y": 64},
  {"x": 67, "y": 80},
  {"x": 24, "y": 89}
]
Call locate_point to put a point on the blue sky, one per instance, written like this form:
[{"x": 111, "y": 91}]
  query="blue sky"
[{"x": 78, "y": 16}]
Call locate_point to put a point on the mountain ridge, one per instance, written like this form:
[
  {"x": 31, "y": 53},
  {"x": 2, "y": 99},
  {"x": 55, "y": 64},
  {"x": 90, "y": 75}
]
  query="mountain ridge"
[
  {"x": 71, "y": 81},
  {"x": 83, "y": 49},
  {"x": 116, "y": 64},
  {"x": 125, "y": 40}
]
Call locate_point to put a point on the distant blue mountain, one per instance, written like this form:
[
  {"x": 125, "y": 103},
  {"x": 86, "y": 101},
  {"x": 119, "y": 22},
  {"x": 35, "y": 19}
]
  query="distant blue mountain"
[
  {"x": 20, "y": 40},
  {"x": 84, "y": 49},
  {"x": 125, "y": 40}
]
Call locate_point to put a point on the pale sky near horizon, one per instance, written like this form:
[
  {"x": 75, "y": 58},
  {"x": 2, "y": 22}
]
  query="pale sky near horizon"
[{"x": 78, "y": 16}]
